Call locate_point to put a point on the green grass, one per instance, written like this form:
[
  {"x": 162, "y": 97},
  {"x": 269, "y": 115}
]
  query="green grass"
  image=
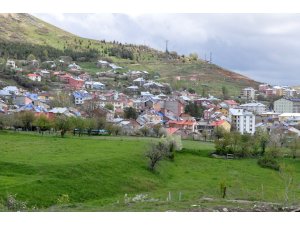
[{"x": 96, "y": 173}]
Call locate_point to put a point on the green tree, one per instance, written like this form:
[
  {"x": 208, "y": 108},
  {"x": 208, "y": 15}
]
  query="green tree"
[
  {"x": 156, "y": 153},
  {"x": 27, "y": 118},
  {"x": 145, "y": 131},
  {"x": 43, "y": 123},
  {"x": 263, "y": 137},
  {"x": 130, "y": 113},
  {"x": 156, "y": 129},
  {"x": 109, "y": 106},
  {"x": 45, "y": 54},
  {"x": 79, "y": 123},
  {"x": 225, "y": 92},
  {"x": 63, "y": 124},
  {"x": 294, "y": 146},
  {"x": 194, "y": 110},
  {"x": 30, "y": 57}
]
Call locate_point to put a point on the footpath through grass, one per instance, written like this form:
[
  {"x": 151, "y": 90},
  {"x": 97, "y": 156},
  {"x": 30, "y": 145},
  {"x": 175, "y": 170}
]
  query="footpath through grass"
[{"x": 97, "y": 172}]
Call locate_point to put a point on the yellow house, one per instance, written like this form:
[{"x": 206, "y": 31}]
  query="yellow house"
[
  {"x": 222, "y": 123},
  {"x": 223, "y": 111}
]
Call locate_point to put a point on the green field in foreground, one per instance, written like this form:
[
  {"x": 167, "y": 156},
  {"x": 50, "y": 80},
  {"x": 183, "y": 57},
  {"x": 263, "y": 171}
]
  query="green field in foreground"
[{"x": 96, "y": 173}]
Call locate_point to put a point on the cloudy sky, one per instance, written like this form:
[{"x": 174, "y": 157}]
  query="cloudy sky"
[{"x": 265, "y": 47}]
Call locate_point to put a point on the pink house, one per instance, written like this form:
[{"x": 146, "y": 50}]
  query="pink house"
[
  {"x": 231, "y": 103},
  {"x": 76, "y": 83}
]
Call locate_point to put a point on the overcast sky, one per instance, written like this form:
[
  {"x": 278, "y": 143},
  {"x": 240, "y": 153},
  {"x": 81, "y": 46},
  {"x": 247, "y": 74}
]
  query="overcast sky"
[{"x": 264, "y": 47}]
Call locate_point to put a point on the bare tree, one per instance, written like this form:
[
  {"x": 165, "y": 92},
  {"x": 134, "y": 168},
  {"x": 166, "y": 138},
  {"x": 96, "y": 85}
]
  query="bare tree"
[{"x": 156, "y": 153}]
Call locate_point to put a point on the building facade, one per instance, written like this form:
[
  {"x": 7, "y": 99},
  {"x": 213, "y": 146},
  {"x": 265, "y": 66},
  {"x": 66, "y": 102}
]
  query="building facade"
[
  {"x": 248, "y": 93},
  {"x": 285, "y": 105},
  {"x": 243, "y": 121},
  {"x": 254, "y": 107}
]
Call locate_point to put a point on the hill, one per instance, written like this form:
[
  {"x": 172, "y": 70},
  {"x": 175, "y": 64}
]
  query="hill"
[
  {"x": 105, "y": 173},
  {"x": 22, "y": 34}
]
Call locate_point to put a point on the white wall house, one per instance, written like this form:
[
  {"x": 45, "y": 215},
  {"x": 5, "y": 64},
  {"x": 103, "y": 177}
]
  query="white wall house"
[
  {"x": 248, "y": 93},
  {"x": 255, "y": 107},
  {"x": 284, "y": 105},
  {"x": 242, "y": 120}
]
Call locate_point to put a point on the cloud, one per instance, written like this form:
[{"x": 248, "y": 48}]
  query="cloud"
[{"x": 265, "y": 47}]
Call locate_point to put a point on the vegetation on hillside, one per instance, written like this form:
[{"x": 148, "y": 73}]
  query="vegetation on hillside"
[{"x": 47, "y": 42}]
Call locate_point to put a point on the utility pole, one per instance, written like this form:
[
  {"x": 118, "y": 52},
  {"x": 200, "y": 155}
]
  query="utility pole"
[
  {"x": 167, "y": 51},
  {"x": 210, "y": 57}
]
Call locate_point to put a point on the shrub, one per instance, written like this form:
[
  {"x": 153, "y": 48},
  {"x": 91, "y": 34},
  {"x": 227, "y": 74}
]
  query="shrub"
[
  {"x": 63, "y": 199},
  {"x": 267, "y": 162},
  {"x": 13, "y": 204}
]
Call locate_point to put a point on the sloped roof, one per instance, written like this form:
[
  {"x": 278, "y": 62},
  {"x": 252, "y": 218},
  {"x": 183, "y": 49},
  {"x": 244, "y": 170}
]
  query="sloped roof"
[{"x": 171, "y": 130}]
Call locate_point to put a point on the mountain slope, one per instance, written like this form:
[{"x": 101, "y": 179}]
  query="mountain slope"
[{"x": 24, "y": 29}]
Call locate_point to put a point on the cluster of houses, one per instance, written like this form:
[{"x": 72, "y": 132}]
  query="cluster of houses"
[
  {"x": 153, "y": 104},
  {"x": 267, "y": 90}
]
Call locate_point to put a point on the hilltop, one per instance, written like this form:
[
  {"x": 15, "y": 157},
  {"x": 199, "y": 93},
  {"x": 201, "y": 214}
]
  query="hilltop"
[{"x": 22, "y": 34}]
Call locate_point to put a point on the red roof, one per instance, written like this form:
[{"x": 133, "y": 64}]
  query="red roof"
[
  {"x": 217, "y": 123},
  {"x": 33, "y": 75},
  {"x": 171, "y": 130},
  {"x": 183, "y": 122},
  {"x": 230, "y": 102}
]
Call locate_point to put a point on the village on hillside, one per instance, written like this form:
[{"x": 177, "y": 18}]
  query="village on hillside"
[{"x": 143, "y": 105}]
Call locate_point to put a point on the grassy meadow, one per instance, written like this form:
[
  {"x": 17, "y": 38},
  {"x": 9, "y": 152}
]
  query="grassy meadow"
[{"x": 105, "y": 173}]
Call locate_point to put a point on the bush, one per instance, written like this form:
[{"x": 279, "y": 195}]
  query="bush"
[
  {"x": 13, "y": 204},
  {"x": 267, "y": 162},
  {"x": 63, "y": 199}
]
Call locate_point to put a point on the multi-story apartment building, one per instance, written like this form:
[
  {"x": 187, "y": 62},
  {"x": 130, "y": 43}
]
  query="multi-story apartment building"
[
  {"x": 248, "y": 93},
  {"x": 255, "y": 107},
  {"x": 241, "y": 120},
  {"x": 287, "y": 105}
]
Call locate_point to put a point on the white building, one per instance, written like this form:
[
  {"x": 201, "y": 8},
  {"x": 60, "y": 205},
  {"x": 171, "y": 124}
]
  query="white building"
[
  {"x": 255, "y": 107},
  {"x": 242, "y": 120},
  {"x": 11, "y": 64},
  {"x": 35, "y": 77},
  {"x": 11, "y": 89},
  {"x": 248, "y": 93},
  {"x": 285, "y": 105},
  {"x": 295, "y": 117}
]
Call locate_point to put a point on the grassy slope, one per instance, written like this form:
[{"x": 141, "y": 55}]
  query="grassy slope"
[
  {"x": 97, "y": 172},
  {"x": 36, "y": 31}
]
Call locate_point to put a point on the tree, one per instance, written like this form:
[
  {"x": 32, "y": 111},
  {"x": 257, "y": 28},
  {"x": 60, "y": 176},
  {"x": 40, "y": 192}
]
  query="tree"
[
  {"x": 63, "y": 124},
  {"x": 43, "y": 123},
  {"x": 263, "y": 138},
  {"x": 156, "y": 129},
  {"x": 191, "y": 91},
  {"x": 130, "y": 113},
  {"x": 45, "y": 54},
  {"x": 145, "y": 131},
  {"x": 78, "y": 123},
  {"x": 194, "y": 110},
  {"x": 156, "y": 153},
  {"x": 204, "y": 134},
  {"x": 219, "y": 132},
  {"x": 109, "y": 106},
  {"x": 225, "y": 92},
  {"x": 294, "y": 146},
  {"x": 27, "y": 118},
  {"x": 173, "y": 144},
  {"x": 91, "y": 123},
  {"x": 194, "y": 56},
  {"x": 30, "y": 57},
  {"x": 61, "y": 100}
]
